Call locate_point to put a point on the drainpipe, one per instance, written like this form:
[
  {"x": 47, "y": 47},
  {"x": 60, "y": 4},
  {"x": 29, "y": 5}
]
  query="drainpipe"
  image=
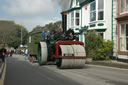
[
  {"x": 112, "y": 27},
  {"x": 112, "y": 20},
  {"x": 81, "y": 17},
  {"x": 81, "y": 25}
]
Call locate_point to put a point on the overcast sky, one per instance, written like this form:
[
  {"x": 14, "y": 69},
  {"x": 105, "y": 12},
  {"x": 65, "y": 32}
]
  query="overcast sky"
[{"x": 31, "y": 13}]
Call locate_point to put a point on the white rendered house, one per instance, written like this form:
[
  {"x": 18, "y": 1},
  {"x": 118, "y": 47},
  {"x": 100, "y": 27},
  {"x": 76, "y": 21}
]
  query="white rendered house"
[
  {"x": 108, "y": 17},
  {"x": 97, "y": 14},
  {"x": 85, "y": 15}
]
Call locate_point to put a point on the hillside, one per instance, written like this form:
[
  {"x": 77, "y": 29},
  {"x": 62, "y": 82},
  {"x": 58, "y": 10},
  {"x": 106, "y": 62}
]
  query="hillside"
[{"x": 50, "y": 26}]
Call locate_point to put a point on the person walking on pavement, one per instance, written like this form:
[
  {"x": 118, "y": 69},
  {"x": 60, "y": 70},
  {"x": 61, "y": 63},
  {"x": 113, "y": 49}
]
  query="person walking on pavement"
[{"x": 3, "y": 54}]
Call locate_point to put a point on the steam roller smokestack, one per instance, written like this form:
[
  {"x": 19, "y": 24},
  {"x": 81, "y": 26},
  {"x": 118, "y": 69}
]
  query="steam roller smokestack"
[{"x": 64, "y": 21}]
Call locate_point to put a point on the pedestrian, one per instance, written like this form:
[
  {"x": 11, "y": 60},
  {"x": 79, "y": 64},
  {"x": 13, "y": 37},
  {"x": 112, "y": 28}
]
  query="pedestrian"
[
  {"x": 3, "y": 54},
  {"x": 11, "y": 52},
  {"x": 26, "y": 53},
  {"x": 7, "y": 53}
]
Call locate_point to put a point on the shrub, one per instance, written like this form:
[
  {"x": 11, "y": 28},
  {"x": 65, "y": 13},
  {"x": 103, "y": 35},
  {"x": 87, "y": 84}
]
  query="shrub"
[
  {"x": 104, "y": 52},
  {"x": 96, "y": 47}
]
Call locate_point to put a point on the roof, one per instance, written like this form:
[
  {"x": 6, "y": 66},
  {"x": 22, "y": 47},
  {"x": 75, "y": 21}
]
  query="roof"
[
  {"x": 85, "y": 2},
  {"x": 81, "y": 1}
]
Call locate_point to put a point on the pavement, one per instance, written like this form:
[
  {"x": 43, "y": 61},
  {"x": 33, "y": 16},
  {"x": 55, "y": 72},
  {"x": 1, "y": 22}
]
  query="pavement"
[
  {"x": 111, "y": 63},
  {"x": 0, "y": 63},
  {"x": 95, "y": 75},
  {"x": 23, "y": 72}
]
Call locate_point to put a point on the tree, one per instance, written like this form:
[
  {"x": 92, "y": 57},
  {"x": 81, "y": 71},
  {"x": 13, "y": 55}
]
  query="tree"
[
  {"x": 10, "y": 33},
  {"x": 50, "y": 26},
  {"x": 6, "y": 28},
  {"x": 24, "y": 31}
]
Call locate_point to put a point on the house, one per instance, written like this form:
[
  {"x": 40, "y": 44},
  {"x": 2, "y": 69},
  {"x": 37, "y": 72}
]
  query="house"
[
  {"x": 73, "y": 17},
  {"x": 85, "y": 15},
  {"x": 121, "y": 21},
  {"x": 97, "y": 14},
  {"x": 108, "y": 17}
]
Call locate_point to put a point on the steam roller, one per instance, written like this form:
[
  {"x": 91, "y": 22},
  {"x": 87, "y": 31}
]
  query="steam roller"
[{"x": 64, "y": 49}]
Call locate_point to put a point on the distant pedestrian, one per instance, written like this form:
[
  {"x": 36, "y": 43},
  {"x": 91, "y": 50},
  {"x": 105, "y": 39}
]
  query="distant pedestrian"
[
  {"x": 26, "y": 54},
  {"x": 3, "y": 54},
  {"x": 11, "y": 52},
  {"x": 7, "y": 53}
]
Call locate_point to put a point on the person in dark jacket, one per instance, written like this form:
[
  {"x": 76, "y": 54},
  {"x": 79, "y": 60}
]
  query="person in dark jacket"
[{"x": 2, "y": 54}]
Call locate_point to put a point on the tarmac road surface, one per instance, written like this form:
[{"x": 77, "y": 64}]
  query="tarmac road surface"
[{"x": 22, "y": 72}]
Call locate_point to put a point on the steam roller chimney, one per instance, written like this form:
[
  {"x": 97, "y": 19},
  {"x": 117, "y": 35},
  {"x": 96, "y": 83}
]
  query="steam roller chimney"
[{"x": 64, "y": 21}]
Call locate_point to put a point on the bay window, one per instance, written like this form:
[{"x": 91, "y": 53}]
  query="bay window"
[
  {"x": 97, "y": 10},
  {"x": 124, "y": 6},
  {"x": 100, "y": 9},
  {"x": 127, "y": 37},
  {"x": 124, "y": 37},
  {"x": 93, "y": 11},
  {"x": 72, "y": 18},
  {"x": 77, "y": 18}
]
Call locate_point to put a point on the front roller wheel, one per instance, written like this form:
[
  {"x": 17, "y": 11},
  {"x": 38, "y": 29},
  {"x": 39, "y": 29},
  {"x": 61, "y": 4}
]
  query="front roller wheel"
[
  {"x": 42, "y": 53},
  {"x": 72, "y": 56}
]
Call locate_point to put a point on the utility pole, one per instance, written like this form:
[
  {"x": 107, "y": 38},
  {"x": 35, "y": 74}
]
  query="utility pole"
[{"x": 21, "y": 38}]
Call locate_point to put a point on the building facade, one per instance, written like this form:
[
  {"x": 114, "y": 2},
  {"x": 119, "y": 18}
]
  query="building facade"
[
  {"x": 97, "y": 15},
  {"x": 108, "y": 17},
  {"x": 85, "y": 15},
  {"x": 122, "y": 28}
]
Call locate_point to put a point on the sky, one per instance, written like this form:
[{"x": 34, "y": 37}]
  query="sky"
[{"x": 31, "y": 13}]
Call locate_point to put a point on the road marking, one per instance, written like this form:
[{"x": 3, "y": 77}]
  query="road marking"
[{"x": 3, "y": 74}]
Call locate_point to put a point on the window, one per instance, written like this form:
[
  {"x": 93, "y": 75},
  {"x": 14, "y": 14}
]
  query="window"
[
  {"x": 69, "y": 20},
  {"x": 93, "y": 11},
  {"x": 77, "y": 18},
  {"x": 100, "y": 9},
  {"x": 72, "y": 18},
  {"x": 124, "y": 6},
  {"x": 74, "y": 3},
  {"x": 127, "y": 37},
  {"x": 101, "y": 34},
  {"x": 97, "y": 12},
  {"x": 124, "y": 37}
]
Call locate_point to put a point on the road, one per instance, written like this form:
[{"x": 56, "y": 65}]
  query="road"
[{"x": 21, "y": 72}]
